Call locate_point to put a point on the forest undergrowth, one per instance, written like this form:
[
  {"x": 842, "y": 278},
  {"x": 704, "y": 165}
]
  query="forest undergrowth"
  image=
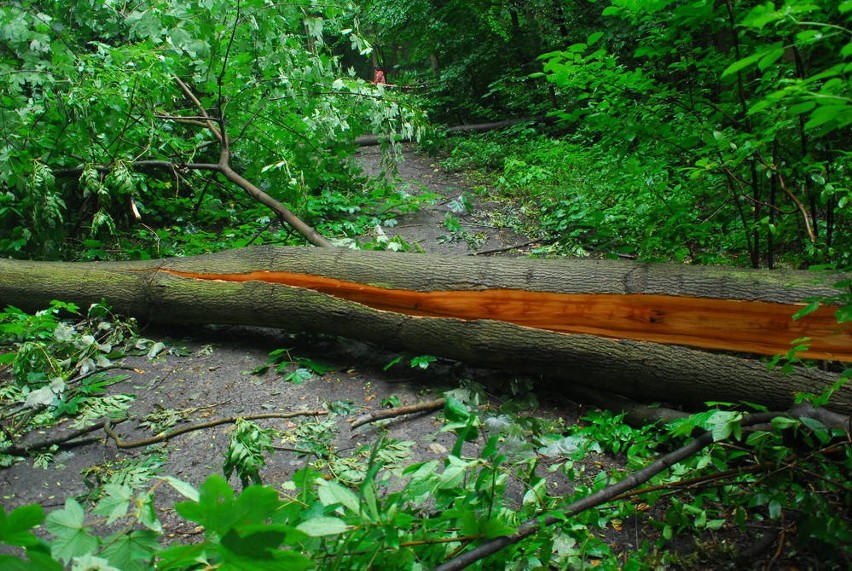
[
  {"x": 688, "y": 132},
  {"x": 765, "y": 495}
]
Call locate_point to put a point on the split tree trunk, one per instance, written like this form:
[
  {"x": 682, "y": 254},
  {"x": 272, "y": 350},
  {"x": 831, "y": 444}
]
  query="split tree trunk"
[{"x": 613, "y": 325}]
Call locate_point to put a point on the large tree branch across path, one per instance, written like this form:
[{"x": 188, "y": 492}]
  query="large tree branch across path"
[{"x": 648, "y": 331}]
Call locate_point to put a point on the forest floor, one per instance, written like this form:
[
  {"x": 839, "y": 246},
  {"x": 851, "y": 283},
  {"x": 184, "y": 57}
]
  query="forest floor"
[{"x": 211, "y": 374}]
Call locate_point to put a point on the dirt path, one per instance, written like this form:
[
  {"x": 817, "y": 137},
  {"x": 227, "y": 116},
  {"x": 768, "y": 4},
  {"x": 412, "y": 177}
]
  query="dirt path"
[
  {"x": 482, "y": 220},
  {"x": 213, "y": 373},
  {"x": 211, "y": 377}
]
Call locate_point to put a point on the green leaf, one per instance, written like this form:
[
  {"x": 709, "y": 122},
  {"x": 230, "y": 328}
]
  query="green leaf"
[
  {"x": 68, "y": 526},
  {"x": 743, "y": 63},
  {"x": 761, "y": 15},
  {"x": 771, "y": 57},
  {"x": 115, "y": 502},
  {"x": 315, "y": 367},
  {"x": 813, "y": 423},
  {"x": 256, "y": 541},
  {"x": 15, "y": 528},
  {"x": 783, "y": 422},
  {"x": 774, "y": 509},
  {"x": 392, "y": 362},
  {"x": 181, "y": 556},
  {"x": 183, "y": 488},
  {"x": 841, "y": 114},
  {"x": 422, "y": 361},
  {"x": 331, "y": 493},
  {"x": 147, "y": 512},
  {"x": 132, "y": 551},
  {"x": 322, "y": 526},
  {"x": 299, "y": 376},
  {"x": 218, "y": 511},
  {"x": 494, "y": 527},
  {"x": 37, "y": 562},
  {"x": 90, "y": 562},
  {"x": 810, "y": 308},
  {"x": 455, "y": 410},
  {"x": 723, "y": 423},
  {"x": 801, "y": 108}
]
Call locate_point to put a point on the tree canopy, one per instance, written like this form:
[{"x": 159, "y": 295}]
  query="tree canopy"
[
  {"x": 726, "y": 122},
  {"x": 739, "y": 109},
  {"x": 108, "y": 106},
  {"x": 712, "y": 132}
]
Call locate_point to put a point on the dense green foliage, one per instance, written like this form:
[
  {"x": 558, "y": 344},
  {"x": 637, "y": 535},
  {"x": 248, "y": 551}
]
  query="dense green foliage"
[
  {"x": 470, "y": 59},
  {"x": 91, "y": 99},
  {"x": 701, "y": 131},
  {"x": 751, "y": 102},
  {"x": 696, "y": 131}
]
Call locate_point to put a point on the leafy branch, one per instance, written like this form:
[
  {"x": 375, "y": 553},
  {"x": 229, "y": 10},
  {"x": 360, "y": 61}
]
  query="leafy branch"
[
  {"x": 108, "y": 427},
  {"x": 224, "y": 168},
  {"x": 535, "y": 525}
]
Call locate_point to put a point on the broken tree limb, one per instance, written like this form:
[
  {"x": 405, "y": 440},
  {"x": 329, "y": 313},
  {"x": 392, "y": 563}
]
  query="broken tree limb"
[
  {"x": 216, "y": 127},
  {"x": 386, "y": 413},
  {"x": 373, "y": 140},
  {"x": 124, "y": 444},
  {"x": 224, "y": 168},
  {"x": 619, "y": 326},
  {"x": 533, "y": 526},
  {"x": 64, "y": 442}
]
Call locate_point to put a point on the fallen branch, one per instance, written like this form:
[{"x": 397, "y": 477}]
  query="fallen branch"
[
  {"x": 223, "y": 167},
  {"x": 505, "y": 248},
  {"x": 231, "y": 420},
  {"x": 64, "y": 442},
  {"x": 397, "y": 411},
  {"x": 533, "y": 526}
]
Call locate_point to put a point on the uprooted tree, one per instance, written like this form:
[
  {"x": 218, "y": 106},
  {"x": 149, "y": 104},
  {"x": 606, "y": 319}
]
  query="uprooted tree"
[{"x": 647, "y": 331}]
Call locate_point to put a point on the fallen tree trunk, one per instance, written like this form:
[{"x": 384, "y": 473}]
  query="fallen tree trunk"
[
  {"x": 613, "y": 325},
  {"x": 373, "y": 140}
]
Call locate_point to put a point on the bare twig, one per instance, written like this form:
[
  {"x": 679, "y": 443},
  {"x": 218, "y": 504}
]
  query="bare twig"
[
  {"x": 210, "y": 125},
  {"x": 505, "y": 248},
  {"x": 169, "y": 435},
  {"x": 220, "y": 81},
  {"x": 65, "y": 442},
  {"x": 397, "y": 411},
  {"x": 805, "y": 216}
]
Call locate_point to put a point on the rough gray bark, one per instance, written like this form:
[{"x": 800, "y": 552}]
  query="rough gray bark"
[{"x": 640, "y": 370}]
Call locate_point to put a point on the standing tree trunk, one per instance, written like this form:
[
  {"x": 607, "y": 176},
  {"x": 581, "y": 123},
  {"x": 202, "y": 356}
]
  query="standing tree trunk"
[{"x": 613, "y": 325}]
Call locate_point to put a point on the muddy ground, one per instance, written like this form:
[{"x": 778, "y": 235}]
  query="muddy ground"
[{"x": 210, "y": 374}]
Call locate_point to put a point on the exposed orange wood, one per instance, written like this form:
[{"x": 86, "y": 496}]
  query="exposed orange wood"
[{"x": 745, "y": 326}]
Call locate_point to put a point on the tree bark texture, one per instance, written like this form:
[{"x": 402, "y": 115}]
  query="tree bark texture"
[{"x": 615, "y": 325}]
